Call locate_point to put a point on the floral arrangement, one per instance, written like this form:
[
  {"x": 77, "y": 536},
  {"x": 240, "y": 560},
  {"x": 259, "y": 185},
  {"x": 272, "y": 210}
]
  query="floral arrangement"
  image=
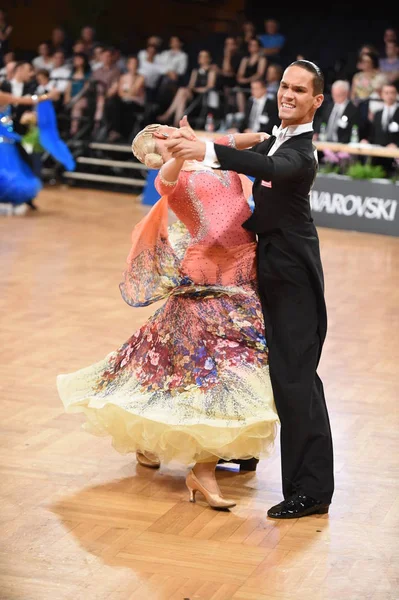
[{"x": 342, "y": 163}]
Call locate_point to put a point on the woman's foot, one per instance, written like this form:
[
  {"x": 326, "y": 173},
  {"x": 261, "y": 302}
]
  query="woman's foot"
[
  {"x": 212, "y": 496},
  {"x": 149, "y": 460}
]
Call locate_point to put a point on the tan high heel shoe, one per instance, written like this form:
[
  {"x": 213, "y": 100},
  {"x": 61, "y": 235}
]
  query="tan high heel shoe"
[
  {"x": 145, "y": 461},
  {"x": 214, "y": 500}
]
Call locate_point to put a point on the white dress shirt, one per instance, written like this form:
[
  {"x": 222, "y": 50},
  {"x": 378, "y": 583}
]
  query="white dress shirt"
[
  {"x": 173, "y": 60},
  {"x": 40, "y": 63},
  {"x": 333, "y": 122},
  {"x": 151, "y": 72},
  {"x": 254, "y": 121},
  {"x": 59, "y": 78},
  {"x": 17, "y": 87},
  {"x": 387, "y": 114},
  {"x": 281, "y": 135}
]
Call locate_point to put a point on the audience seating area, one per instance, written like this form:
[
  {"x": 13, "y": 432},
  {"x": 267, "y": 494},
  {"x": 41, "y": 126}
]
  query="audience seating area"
[{"x": 105, "y": 98}]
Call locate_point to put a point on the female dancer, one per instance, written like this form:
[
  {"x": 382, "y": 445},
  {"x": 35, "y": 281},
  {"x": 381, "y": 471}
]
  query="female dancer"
[
  {"x": 193, "y": 383},
  {"x": 18, "y": 184}
]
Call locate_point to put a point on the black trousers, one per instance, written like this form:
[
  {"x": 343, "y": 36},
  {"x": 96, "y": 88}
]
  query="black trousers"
[
  {"x": 290, "y": 307},
  {"x": 121, "y": 116}
]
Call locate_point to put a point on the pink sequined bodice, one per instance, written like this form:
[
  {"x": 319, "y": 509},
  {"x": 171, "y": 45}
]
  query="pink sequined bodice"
[
  {"x": 211, "y": 204},
  {"x": 213, "y": 207}
]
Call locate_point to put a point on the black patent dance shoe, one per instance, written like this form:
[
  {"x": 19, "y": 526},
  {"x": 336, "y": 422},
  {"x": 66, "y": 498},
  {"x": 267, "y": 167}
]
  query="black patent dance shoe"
[
  {"x": 298, "y": 506},
  {"x": 245, "y": 465}
]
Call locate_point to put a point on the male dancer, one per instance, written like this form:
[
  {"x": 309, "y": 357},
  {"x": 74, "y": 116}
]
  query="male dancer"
[{"x": 291, "y": 286}]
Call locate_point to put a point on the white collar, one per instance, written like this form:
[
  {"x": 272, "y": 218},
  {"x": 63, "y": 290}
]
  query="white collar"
[
  {"x": 392, "y": 108},
  {"x": 292, "y": 130}
]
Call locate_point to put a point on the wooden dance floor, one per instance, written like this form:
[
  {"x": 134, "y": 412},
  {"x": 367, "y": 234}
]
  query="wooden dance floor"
[{"x": 81, "y": 522}]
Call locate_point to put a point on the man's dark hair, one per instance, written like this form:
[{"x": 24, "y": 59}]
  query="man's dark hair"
[
  {"x": 20, "y": 63},
  {"x": 318, "y": 77},
  {"x": 260, "y": 80},
  {"x": 43, "y": 72}
]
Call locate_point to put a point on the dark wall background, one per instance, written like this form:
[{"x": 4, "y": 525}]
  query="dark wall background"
[
  {"x": 323, "y": 32},
  {"x": 122, "y": 23}
]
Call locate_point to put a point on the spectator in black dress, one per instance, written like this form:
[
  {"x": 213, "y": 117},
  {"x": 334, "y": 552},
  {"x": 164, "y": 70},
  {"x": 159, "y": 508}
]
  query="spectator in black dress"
[
  {"x": 252, "y": 67},
  {"x": 202, "y": 80},
  {"x": 227, "y": 73}
]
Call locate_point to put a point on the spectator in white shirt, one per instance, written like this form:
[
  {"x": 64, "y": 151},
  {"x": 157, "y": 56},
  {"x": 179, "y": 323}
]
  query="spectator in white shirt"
[
  {"x": 173, "y": 63},
  {"x": 152, "y": 72},
  {"x": 61, "y": 73},
  {"x": 44, "y": 59},
  {"x": 153, "y": 40},
  {"x": 43, "y": 80},
  {"x": 9, "y": 58},
  {"x": 96, "y": 62}
]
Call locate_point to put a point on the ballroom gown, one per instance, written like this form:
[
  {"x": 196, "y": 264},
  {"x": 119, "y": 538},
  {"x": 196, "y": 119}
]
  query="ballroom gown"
[
  {"x": 18, "y": 183},
  {"x": 193, "y": 381}
]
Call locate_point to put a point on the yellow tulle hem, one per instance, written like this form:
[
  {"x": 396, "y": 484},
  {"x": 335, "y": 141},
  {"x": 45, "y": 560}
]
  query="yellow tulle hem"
[{"x": 183, "y": 443}]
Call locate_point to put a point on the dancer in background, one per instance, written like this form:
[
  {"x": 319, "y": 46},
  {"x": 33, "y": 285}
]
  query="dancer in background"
[{"x": 19, "y": 185}]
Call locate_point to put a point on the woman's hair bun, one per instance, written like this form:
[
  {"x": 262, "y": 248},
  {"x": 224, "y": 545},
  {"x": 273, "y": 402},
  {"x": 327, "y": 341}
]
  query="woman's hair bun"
[{"x": 153, "y": 160}]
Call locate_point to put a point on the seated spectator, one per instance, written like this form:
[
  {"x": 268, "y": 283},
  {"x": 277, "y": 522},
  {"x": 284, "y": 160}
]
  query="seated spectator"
[
  {"x": 87, "y": 35},
  {"x": 353, "y": 62},
  {"x": 227, "y": 72},
  {"x": 74, "y": 97},
  {"x": 337, "y": 116},
  {"x": 8, "y": 58},
  {"x": 202, "y": 80},
  {"x": 362, "y": 82},
  {"x": 390, "y": 64},
  {"x": 261, "y": 112},
  {"x": 390, "y": 35},
  {"x": 152, "y": 72},
  {"x": 232, "y": 57},
  {"x": 119, "y": 60},
  {"x": 44, "y": 86},
  {"x": 44, "y": 60},
  {"x": 9, "y": 71},
  {"x": 251, "y": 67},
  {"x": 173, "y": 64},
  {"x": 61, "y": 73},
  {"x": 374, "y": 102},
  {"x": 127, "y": 98},
  {"x": 5, "y": 32},
  {"x": 96, "y": 61},
  {"x": 105, "y": 77},
  {"x": 21, "y": 84},
  {"x": 174, "y": 61},
  {"x": 248, "y": 34},
  {"x": 59, "y": 42},
  {"x": 273, "y": 78},
  {"x": 78, "y": 48},
  {"x": 384, "y": 129},
  {"x": 272, "y": 41},
  {"x": 153, "y": 40}
]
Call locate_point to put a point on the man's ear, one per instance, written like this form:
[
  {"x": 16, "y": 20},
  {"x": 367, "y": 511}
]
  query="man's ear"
[{"x": 318, "y": 100}]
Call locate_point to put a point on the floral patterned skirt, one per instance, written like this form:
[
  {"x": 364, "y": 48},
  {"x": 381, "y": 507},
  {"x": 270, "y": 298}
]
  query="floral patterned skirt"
[{"x": 191, "y": 383}]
